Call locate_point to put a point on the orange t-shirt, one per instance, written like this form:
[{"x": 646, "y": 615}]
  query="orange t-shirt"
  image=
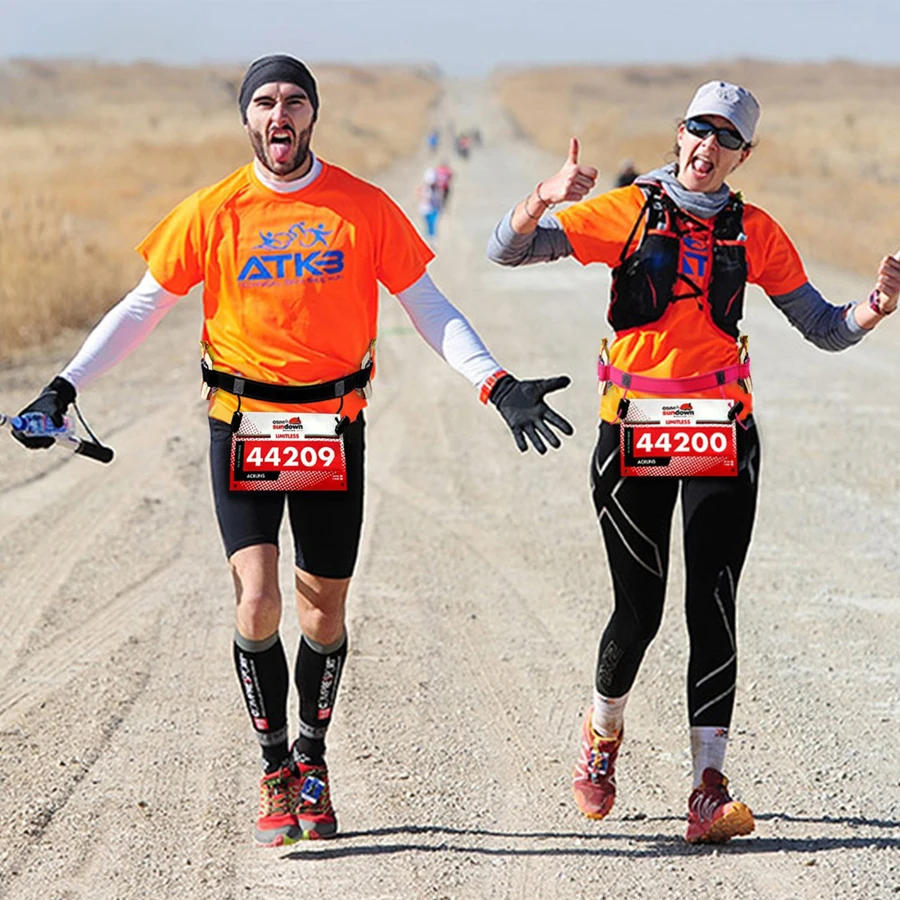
[
  {"x": 684, "y": 341},
  {"x": 290, "y": 281}
]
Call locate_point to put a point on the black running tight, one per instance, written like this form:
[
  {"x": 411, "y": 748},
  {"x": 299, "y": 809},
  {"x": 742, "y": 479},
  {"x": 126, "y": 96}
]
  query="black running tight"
[{"x": 635, "y": 515}]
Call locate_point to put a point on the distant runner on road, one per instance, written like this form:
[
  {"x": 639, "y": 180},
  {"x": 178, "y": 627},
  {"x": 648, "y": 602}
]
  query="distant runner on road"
[
  {"x": 627, "y": 174},
  {"x": 444, "y": 178},
  {"x": 430, "y": 201},
  {"x": 290, "y": 251},
  {"x": 677, "y": 412}
]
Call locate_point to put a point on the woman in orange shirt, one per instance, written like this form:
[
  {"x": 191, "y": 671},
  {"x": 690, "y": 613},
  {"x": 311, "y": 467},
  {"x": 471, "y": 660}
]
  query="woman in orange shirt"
[{"x": 682, "y": 247}]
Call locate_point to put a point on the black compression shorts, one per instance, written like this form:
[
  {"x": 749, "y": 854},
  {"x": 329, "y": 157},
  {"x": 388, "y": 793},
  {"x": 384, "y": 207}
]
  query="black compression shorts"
[
  {"x": 635, "y": 515},
  {"x": 326, "y": 525}
]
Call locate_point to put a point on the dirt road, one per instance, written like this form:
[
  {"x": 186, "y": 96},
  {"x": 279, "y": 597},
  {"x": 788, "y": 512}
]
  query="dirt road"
[{"x": 128, "y": 769}]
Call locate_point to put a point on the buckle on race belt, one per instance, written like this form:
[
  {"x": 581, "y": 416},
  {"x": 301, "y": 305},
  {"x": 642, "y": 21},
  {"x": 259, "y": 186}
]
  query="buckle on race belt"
[
  {"x": 678, "y": 438},
  {"x": 287, "y": 452}
]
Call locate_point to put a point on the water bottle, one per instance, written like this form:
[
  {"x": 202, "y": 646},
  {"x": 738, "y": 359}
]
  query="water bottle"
[{"x": 37, "y": 424}]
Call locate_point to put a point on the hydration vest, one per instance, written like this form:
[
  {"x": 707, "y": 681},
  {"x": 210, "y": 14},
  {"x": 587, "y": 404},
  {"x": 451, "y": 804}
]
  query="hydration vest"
[{"x": 680, "y": 258}]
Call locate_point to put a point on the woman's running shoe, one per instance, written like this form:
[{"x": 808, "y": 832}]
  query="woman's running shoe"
[
  {"x": 713, "y": 817},
  {"x": 594, "y": 779},
  {"x": 276, "y": 824},
  {"x": 310, "y": 800}
]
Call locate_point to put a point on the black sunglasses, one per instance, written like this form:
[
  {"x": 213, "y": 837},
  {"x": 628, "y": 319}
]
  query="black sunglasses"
[{"x": 727, "y": 137}]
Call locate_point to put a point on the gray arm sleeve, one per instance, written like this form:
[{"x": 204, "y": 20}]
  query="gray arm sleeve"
[
  {"x": 546, "y": 243},
  {"x": 827, "y": 326}
]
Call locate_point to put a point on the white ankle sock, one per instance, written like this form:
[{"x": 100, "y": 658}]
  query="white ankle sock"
[
  {"x": 708, "y": 746},
  {"x": 609, "y": 714}
]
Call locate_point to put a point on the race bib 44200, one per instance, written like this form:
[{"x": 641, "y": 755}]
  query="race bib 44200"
[
  {"x": 287, "y": 452},
  {"x": 678, "y": 438}
]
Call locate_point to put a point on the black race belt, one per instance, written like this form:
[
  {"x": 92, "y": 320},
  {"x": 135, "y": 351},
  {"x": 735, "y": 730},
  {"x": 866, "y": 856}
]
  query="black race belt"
[{"x": 286, "y": 393}]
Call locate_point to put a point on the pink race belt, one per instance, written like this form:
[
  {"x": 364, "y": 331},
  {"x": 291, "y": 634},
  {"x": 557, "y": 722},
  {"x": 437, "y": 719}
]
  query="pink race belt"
[{"x": 646, "y": 384}]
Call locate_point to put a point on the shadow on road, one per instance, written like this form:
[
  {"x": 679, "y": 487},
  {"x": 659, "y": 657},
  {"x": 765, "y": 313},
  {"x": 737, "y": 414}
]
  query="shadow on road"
[{"x": 601, "y": 844}]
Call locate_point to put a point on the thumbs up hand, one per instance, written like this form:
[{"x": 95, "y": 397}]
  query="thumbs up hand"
[
  {"x": 888, "y": 284},
  {"x": 572, "y": 182}
]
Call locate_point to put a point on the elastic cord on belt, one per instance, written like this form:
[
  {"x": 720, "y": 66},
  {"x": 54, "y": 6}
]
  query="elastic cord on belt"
[
  {"x": 285, "y": 393},
  {"x": 646, "y": 384}
]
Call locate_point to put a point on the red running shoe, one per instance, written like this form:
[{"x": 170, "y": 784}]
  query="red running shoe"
[
  {"x": 310, "y": 799},
  {"x": 713, "y": 817},
  {"x": 276, "y": 825},
  {"x": 594, "y": 779}
]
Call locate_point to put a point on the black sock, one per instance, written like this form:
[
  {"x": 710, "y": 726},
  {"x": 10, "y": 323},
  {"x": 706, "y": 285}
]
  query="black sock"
[
  {"x": 317, "y": 676},
  {"x": 263, "y": 675}
]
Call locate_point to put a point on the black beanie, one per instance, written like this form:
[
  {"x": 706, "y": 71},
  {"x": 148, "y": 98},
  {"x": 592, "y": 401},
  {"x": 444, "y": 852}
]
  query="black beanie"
[{"x": 278, "y": 67}]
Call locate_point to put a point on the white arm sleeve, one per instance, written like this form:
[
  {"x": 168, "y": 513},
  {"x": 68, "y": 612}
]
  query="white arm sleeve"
[
  {"x": 447, "y": 331},
  {"x": 120, "y": 331}
]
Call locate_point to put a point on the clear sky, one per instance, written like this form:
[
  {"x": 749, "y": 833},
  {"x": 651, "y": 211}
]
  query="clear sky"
[{"x": 463, "y": 37}]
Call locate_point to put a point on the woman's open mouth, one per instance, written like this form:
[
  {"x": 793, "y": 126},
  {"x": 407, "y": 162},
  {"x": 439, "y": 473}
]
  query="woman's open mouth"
[{"x": 702, "y": 167}]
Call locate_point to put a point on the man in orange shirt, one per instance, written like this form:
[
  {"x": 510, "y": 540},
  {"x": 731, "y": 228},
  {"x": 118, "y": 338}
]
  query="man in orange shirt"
[
  {"x": 290, "y": 251},
  {"x": 682, "y": 246}
]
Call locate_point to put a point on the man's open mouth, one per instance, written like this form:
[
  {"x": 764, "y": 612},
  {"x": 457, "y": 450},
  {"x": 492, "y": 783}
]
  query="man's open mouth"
[{"x": 281, "y": 142}]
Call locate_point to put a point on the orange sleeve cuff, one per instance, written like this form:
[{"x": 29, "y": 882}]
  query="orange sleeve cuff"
[{"x": 488, "y": 385}]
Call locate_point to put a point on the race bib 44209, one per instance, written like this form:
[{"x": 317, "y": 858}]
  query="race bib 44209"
[{"x": 288, "y": 452}]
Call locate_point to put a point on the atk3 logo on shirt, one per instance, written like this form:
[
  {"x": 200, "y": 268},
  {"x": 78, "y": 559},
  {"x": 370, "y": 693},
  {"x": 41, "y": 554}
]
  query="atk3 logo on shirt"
[{"x": 296, "y": 257}]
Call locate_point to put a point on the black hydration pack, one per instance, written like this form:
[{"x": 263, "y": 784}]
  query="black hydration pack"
[{"x": 670, "y": 264}]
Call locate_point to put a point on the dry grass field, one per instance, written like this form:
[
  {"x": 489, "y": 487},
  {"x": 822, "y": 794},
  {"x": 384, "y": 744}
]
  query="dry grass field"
[
  {"x": 91, "y": 156},
  {"x": 827, "y": 161}
]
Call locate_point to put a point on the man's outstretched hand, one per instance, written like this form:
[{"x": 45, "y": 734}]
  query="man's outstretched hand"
[{"x": 521, "y": 403}]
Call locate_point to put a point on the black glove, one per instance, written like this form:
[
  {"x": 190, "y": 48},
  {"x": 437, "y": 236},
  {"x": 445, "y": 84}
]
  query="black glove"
[
  {"x": 521, "y": 403},
  {"x": 53, "y": 402}
]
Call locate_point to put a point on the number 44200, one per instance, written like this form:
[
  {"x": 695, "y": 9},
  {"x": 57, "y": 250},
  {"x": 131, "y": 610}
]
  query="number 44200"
[{"x": 690, "y": 443}]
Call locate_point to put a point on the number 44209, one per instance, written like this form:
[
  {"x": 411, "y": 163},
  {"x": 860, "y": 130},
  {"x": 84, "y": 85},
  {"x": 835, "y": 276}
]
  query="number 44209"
[{"x": 273, "y": 456}]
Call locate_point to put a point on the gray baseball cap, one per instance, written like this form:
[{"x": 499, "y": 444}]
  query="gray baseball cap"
[{"x": 721, "y": 98}]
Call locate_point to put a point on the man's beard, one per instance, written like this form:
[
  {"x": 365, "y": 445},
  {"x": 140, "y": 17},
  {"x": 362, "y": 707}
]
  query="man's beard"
[{"x": 296, "y": 161}]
